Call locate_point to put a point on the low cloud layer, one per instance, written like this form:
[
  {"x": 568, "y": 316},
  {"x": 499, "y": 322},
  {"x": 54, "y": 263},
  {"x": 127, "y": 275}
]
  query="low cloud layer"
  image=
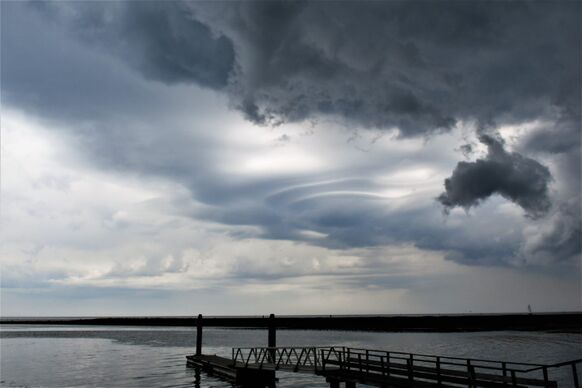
[{"x": 517, "y": 178}]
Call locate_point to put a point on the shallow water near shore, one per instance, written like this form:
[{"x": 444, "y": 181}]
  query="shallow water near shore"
[{"x": 118, "y": 356}]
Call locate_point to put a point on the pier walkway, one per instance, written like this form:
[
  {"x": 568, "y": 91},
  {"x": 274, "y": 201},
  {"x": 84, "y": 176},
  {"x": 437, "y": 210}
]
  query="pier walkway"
[{"x": 256, "y": 367}]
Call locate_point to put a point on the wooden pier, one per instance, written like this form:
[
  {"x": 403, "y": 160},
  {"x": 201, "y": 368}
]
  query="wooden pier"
[
  {"x": 236, "y": 373},
  {"x": 257, "y": 366}
]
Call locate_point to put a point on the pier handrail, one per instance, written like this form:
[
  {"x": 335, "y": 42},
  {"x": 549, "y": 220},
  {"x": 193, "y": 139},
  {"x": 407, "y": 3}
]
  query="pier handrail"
[
  {"x": 277, "y": 357},
  {"x": 448, "y": 357},
  {"x": 412, "y": 365},
  {"x": 557, "y": 365},
  {"x": 397, "y": 355}
]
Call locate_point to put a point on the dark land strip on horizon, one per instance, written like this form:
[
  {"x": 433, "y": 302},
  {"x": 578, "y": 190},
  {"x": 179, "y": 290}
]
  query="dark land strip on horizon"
[{"x": 569, "y": 322}]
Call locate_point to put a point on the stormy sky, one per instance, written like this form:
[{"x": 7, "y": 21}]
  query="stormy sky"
[{"x": 175, "y": 158}]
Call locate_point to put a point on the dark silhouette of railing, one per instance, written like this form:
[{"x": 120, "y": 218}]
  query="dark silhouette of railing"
[
  {"x": 290, "y": 358},
  {"x": 399, "y": 368}
]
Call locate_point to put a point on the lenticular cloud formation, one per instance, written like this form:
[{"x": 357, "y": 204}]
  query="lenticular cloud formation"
[
  {"x": 213, "y": 153},
  {"x": 116, "y": 74}
]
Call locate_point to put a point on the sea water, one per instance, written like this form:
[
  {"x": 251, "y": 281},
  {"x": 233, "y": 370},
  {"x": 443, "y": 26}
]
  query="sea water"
[{"x": 116, "y": 356}]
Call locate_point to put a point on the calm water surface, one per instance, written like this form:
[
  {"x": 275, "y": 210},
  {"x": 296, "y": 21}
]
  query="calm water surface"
[{"x": 64, "y": 356}]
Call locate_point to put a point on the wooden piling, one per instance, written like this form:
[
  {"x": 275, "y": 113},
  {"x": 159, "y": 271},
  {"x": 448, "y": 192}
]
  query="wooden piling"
[
  {"x": 272, "y": 342},
  {"x": 199, "y": 335}
]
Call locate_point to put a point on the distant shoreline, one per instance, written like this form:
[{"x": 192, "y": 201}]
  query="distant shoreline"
[{"x": 568, "y": 322}]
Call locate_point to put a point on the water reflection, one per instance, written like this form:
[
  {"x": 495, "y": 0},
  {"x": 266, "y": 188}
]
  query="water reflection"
[{"x": 196, "y": 377}]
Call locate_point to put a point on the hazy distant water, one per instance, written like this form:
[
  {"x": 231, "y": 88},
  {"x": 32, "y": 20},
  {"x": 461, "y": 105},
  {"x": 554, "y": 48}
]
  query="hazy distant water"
[{"x": 59, "y": 356}]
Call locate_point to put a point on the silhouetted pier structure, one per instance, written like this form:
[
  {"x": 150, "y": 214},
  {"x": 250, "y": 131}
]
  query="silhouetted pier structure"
[{"x": 257, "y": 366}]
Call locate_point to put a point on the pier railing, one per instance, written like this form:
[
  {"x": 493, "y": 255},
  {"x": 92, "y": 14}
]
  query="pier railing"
[
  {"x": 294, "y": 358},
  {"x": 412, "y": 367}
]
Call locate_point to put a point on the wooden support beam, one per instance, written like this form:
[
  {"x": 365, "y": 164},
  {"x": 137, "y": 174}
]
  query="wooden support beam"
[
  {"x": 272, "y": 342},
  {"x": 199, "y": 335}
]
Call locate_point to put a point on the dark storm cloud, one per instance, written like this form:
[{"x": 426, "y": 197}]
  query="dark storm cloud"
[
  {"x": 416, "y": 66},
  {"x": 563, "y": 137},
  {"x": 419, "y": 67},
  {"x": 511, "y": 175}
]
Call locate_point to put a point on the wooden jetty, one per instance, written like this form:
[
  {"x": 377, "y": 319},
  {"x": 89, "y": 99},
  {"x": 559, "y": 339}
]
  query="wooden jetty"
[
  {"x": 257, "y": 366},
  {"x": 238, "y": 373}
]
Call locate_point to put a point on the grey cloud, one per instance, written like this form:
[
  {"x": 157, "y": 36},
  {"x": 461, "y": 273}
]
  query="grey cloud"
[
  {"x": 374, "y": 64},
  {"x": 513, "y": 176},
  {"x": 415, "y": 66},
  {"x": 161, "y": 39},
  {"x": 560, "y": 239},
  {"x": 15, "y": 277},
  {"x": 62, "y": 79},
  {"x": 356, "y": 221},
  {"x": 563, "y": 137},
  {"x": 119, "y": 121}
]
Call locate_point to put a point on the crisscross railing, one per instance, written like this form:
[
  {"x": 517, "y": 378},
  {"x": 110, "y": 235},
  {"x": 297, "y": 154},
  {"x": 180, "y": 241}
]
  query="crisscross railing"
[
  {"x": 294, "y": 358},
  {"x": 416, "y": 368}
]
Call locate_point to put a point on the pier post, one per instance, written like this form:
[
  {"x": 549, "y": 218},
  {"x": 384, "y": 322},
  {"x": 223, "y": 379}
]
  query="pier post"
[
  {"x": 272, "y": 343},
  {"x": 272, "y": 340},
  {"x": 199, "y": 335}
]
